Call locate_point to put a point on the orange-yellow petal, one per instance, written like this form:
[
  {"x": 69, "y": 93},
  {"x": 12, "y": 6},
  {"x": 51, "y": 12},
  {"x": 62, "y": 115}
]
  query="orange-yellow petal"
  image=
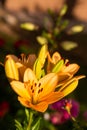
[
  {"x": 29, "y": 75},
  {"x": 11, "y": 69},
  {"x": 72, "y": 69},
  {"x": 21, "y": 69},
  {"x": 69, "y": 87},
  {"x": 56, "y": 57},
  {"x": 63, "y": 78},
  {"x": 24, "y": 101},
  {"x": 41, "y": 107},
  {"x": 12, "y": 57},
  {"x": 53, "y": 97},
  {"x": 19, "y": 88},
  {"x": 48, "y": 83}
]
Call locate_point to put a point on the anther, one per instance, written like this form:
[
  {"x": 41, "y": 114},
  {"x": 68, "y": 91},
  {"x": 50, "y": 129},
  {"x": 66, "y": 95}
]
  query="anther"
[
  {"x": 35, "y": 84},
  {"x": 68, "y": 63},
  {"x": 41, "y": 89},
  {"x": 39, "y": 84},
  {"x": 31, "y": 87},
  {"x": 33, "y": 91}
]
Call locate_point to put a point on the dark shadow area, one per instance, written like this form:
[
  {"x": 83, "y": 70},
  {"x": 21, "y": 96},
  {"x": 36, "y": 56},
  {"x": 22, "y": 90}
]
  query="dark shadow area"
[{"x": 71, "y": 4}]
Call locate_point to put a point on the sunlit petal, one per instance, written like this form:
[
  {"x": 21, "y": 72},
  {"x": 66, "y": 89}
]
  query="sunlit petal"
[
  {"x": 72, "y": 68},
  {"x": 41, "y": 107},
  {"x": 19, "y": 88},
  {"x": 63, "y": 78},
  {"x": 11, "y": 69},
  {"x": 56, "y": 57},
  {"x": 48, "y": 83},
  {"x": 53, "y": 97},
  {"x": 13, "y": 57},
  {"x": 69, "y": 87},
  {"x": 21, "y": 69},
  {"x": 24, "y": 101},
  {"x": 29, "y": 75}
]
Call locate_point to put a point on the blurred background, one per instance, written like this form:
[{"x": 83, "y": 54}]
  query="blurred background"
[{"x": 71, "y": 43}]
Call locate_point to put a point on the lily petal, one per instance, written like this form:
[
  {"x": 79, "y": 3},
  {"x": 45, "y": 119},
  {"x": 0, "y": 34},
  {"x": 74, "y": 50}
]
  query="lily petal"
[
  {"x": 41, "y": 107},
  {"x": 76, "y": 78},
  {"x": 24, "y": 101},
  {"x": 72, "y": 68},
  {"x": 63, "y": 78},
  {"x": 15, "y": 58},
  {"x": 19, "y": 88},
  {"x": 21, "y": 69},
  {"x": 53, "y": 97},
  {"x": 29, "y": 75},
  {"x": 11, "y": 69},
  {"x": 48, "y": 83},
  {"x": 55, "y": 57},
  {"x": 67, "y": 89}
]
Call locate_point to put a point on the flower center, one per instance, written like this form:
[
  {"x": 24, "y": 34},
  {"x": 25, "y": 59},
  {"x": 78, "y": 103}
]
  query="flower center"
[{"x": 34, "y": 89}]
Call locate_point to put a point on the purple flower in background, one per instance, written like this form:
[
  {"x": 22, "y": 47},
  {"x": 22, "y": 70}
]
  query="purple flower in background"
[{"x": 64, "y": 110}]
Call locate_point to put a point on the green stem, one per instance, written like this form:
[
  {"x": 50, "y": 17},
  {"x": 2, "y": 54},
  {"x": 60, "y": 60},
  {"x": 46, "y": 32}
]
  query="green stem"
[{"x": 30, "y": 120}]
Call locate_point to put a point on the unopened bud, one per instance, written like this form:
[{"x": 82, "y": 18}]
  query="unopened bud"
[{"x": 11, "y": 69}]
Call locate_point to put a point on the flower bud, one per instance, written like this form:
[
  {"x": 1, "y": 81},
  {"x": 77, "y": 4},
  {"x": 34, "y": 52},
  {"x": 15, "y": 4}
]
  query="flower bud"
[{"x": 11, "y": 69}]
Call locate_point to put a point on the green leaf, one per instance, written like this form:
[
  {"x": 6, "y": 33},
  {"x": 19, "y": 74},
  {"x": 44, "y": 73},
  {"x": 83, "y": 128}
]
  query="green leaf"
[
  {"x": 27, "y": 113},
  {"x": 18, "y": 125},
  {"x": 36, "y": 125},
  {"x": 58, "y": 66}
]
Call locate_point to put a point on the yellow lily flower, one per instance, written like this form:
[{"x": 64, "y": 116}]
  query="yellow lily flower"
[
  {"x": 52, "y": 60},
  {"x": 15, "y": 67},
  {"x": 66, "y": 67},
  {"x": 65, "y": 70},
  {"x": 38, "y": 94}
]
